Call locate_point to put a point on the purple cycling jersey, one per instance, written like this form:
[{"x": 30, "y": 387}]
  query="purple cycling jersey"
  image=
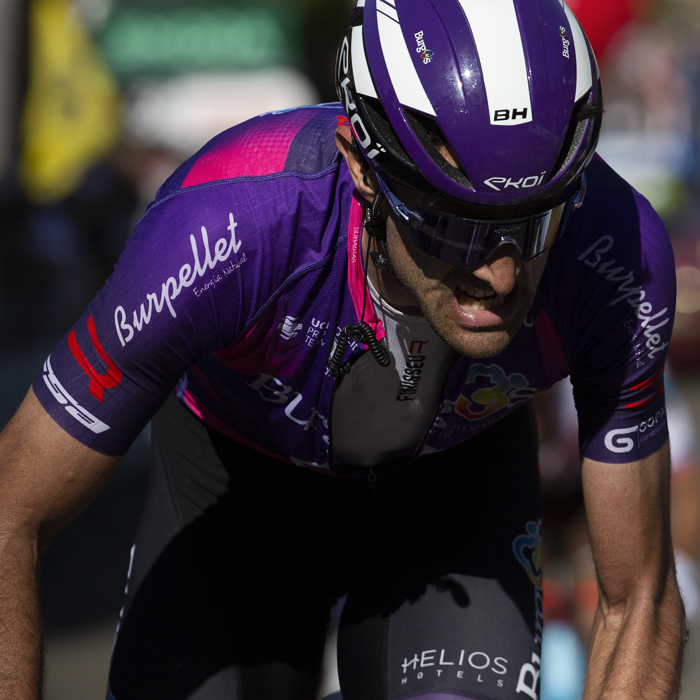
[{"x": 245, "y": 268}]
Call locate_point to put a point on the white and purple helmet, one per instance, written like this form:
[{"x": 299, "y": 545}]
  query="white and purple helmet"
[{"x": 512, "y": 86}]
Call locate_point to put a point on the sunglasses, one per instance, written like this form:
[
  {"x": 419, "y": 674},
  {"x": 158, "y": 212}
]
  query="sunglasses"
[{"x": 468, "y": 243}]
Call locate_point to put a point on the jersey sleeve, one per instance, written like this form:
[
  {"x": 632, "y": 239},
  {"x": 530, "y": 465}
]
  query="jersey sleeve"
[
  {"x": 616, "y": 304},
  {"x": 197, "y": 269}
]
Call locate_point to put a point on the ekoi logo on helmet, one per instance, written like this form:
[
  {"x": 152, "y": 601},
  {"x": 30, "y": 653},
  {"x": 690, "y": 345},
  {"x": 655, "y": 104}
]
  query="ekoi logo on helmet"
[
  {"x": 501, "y": 183},
  {"x": 345, "y": 92}
]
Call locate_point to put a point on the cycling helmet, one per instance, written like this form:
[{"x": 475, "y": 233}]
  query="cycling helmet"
[{"x": 510, "y": 86}]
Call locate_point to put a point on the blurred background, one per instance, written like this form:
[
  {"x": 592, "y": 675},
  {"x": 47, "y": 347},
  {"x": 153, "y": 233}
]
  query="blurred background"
[{"x": 102, "y": 99}]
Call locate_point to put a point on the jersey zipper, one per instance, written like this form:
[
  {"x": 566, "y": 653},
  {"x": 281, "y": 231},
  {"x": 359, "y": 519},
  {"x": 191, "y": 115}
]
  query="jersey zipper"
[
  {"x": 371, "y": 474},
  {"x": 334, "y": 470}
]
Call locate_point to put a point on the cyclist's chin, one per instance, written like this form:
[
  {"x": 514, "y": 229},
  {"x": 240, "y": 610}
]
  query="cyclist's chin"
[
  {"x": 479, "y": 343},
  {"x": 476, "y": 333}
]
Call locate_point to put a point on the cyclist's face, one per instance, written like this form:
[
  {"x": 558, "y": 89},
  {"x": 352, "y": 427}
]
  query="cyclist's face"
[{"x": 476, "y": 312}]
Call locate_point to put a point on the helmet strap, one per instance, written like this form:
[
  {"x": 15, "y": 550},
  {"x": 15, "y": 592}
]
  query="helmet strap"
[{"x": 376, "y": 228}]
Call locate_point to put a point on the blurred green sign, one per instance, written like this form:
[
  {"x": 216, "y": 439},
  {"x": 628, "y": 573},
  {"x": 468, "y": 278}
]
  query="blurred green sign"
[{"x": 157, "y": 40}]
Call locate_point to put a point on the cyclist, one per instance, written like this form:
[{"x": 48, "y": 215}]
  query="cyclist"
[{"x": 341, "y": 312}]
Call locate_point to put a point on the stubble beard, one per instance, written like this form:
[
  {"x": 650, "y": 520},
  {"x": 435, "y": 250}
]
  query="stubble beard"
[{"x": 476, "y": 344}]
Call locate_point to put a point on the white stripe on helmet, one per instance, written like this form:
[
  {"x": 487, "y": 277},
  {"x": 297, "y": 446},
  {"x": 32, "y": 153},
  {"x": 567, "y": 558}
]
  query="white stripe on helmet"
[
  {"x": 360, "y": 69},
  {"x": 584, "y": 79},
  {"x": 388, "y": 10},
  {"x": 494, "y": 26},
  {"x": 404, "y": 78}
]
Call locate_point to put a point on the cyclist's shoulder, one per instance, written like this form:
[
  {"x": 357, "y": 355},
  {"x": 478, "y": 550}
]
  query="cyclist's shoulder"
[
  {"x": 613, "y": 203},
  {"x": 616, "y": 233},
  {"x": 612, "y": 267},
  {"x": 295, "y": 142}
]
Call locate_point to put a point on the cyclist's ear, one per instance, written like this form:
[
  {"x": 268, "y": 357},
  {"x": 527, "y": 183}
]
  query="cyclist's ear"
[{"x": 364, "y": 181}]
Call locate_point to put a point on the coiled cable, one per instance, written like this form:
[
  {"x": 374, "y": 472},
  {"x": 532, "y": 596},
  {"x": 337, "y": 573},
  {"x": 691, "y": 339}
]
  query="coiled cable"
[{"x": 360, "y": 332}]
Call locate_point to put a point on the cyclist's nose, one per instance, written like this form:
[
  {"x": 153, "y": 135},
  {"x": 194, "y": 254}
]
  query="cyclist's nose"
[{"x": 500, "y": 270}]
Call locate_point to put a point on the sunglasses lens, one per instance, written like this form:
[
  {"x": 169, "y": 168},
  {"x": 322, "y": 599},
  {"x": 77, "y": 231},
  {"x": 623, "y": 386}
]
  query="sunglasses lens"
[{"x": 469, "y": 243}]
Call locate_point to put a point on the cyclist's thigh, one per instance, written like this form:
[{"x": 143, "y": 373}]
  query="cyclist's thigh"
[
  {"x": 452, "y": 606},
  {"x": 227, "y": 594}
]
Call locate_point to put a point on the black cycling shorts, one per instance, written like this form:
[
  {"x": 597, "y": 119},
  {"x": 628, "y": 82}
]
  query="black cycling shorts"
[{"x": 239, "y": 558}]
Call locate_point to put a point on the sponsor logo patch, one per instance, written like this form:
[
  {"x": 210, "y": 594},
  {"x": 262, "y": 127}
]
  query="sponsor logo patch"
[
  {"x": 623, "y": 440},
  {"x": 489, "y": 389},
  {"x": 72, "y": 407},
  {"x": 289, "y": 327}
]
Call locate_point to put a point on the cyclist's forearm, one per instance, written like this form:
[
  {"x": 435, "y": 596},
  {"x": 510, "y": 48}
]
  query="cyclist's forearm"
[
  {"x": 636, "y": 652},
  {"x": 21, "y": 648}
]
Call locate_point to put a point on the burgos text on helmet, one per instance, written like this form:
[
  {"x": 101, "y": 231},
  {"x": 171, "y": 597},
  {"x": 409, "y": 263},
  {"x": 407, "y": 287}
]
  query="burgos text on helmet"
[
  {"x": 425, "y": 53},
  {"x": 564, "y": 42}
]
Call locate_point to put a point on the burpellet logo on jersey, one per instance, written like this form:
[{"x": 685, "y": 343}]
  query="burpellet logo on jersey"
[
  {"x": 650, "y": 319},
  {"x": 489, "y": 389},
  {"x": 189, "y": 274},
  {"x": 425, "y": 53},
  {"x": 99, "y": 381}
]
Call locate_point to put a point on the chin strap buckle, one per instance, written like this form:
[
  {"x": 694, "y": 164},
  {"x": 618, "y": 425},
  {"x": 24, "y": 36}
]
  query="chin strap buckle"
[{"x": 381, "y": 262}]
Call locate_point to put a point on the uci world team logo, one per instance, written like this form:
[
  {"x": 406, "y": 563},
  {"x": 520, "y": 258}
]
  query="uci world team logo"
[
  {"x": 489, "y": 389},
  {"x": 527, "y": 549}
]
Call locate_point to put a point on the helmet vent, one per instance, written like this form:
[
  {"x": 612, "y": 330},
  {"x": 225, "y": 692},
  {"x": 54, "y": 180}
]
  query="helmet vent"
[
  {"x": 582, "y": 115},
  {"x": 431, "y": 137},
  {"x": 380, "y": 123}
]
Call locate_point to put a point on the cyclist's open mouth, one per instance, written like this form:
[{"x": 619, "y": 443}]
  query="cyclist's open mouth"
[
  {"x": 470, "y": 298},
  {"x": 478, "y": 308}
]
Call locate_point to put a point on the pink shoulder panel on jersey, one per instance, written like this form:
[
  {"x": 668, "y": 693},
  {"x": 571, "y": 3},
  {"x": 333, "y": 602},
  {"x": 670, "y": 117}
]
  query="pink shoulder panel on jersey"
[{"x": 261, "y": 149}]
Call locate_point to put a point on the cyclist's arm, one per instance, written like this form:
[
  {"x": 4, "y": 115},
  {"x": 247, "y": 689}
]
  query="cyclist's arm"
[
  {"x": 46, "y": 479},
  {"x": 637, "y": 639}
]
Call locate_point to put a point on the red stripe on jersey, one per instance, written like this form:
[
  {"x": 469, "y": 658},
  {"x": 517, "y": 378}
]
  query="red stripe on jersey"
[
  {"x": 659, "y": 391},
  {"x": 647, "y": 382}
]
